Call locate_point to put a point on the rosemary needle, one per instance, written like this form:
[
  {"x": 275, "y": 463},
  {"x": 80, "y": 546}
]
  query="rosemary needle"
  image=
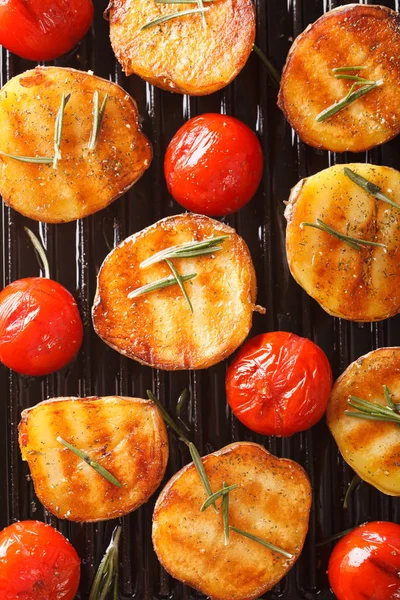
[
  {"x": 174, "y": 15},
  {"x": 216, "y": 495},
  {"x": 158, "y": 285},
  {"x": 262, "y": 542},
  {"x": 198, "y": 463},
  {"x": 58, "y": 129},
  {"x": 98, "y": 114},
  {"x": 179, "y": 281},
  {"x": 354, "y": 483},
  {"x": 372, "y": 411},
  {"x": 89, "y": 461},
  {"x": 39, "y": 160},
  {"x": 186, "y": 250},
  {"x": 271, "y": 69},
  {"x": 369, "y": 187},
  {"x": 344, "y": 69},
  {"x": 355, "y": 243},
  {"x": 107, "y": 571},
  {"x": 225, "y": 513},
  {"x": 353, "y": 95},
  {"x": 40, "y": 250}
]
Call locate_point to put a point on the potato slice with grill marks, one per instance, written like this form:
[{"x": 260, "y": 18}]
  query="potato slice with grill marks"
[
  {"x": 272, "y": 501},
  {"x": 158, "y": 329},
  {"x": 126, "y": 436},
  {"x": 352, "y": 35},
  {"x": 85, "y": 180},
  {"x": 371, "y": 448},
  {"x": 355, "y": 285}
]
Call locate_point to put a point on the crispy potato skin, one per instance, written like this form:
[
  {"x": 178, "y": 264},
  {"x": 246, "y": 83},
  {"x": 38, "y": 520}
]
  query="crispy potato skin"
[
  {"x": 181, "y": 55},
  {"x": 372, "y": 448},
  {"x": 349, "y": 35},
  {"x": 86, "y": 180},
  {"x": 158, "y": 329},
  {"x": 127, "y": 436},
  {"x": 272, "y": 501},
  {"x": 358, "y": 286}
]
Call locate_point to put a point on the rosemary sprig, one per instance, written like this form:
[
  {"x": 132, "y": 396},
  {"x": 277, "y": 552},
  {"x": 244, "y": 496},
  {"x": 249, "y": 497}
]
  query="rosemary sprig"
[
  {"x": 198, "y": 463},
  {"x": 334, "y": 537},
  {"x": 369, "y": 187},
  {"x": 271, "y": 69},
  {"x": 344, "y": 69},
  {"x": 222, "y": 492},
  {"x": 179, "y": 406},
  {"x": 39, "y": 160},
  {"x": 107, "y": 571},
  {"x": 353, "y": 95},
  {"x": 255, "y": 538},
  {"x": 179, "y": 282},
  {"x": 354, "y": 483},
  {"x": 58, "y": 129},
  {"x": 97, "y": 119},
  {"x": 174, "y": 15},
  {"x": 186, "y": 250},
  {"x": 40, "y": 251},
  {"x": 355, "y": 243},
  {"x": 354, "y": 78},
  {"x": 89, "y": 461},
  {"x": 371, "y": 411},
  {"x": 158, "y": 285},
  {"x": 225, "y": 514}
]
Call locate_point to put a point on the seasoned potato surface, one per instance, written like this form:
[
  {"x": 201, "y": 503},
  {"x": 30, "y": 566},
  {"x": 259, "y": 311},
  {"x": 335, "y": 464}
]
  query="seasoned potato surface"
[
  {"x": 356, "y": 285},
  {"x": 126, "y": 436},
  {"x": 182, "y": 55},
  {"x": 371, "y": 448},
  {"x": 158, "y": 329},
  {"x": 272, "y": 501},
  {"x": 85, "y": 180},
  {"x": 352, "y": 35}
]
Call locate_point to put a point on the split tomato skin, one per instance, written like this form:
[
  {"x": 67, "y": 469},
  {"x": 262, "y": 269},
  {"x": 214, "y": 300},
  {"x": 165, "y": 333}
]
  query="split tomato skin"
[
  {"x": 365, "y": 564},
  {"x": 40, "y": 327},
  {"x": 213, "y": 165},
  {"x": 37, "y": 563},
  {"x": 279, "y": 384},
  {"x": 43, "y": 29}
]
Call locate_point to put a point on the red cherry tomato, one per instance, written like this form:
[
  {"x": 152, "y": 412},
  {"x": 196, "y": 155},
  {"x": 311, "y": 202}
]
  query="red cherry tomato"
[
  {"x": 37, "y": 563},
  {"x": 365, "y": 564},
  {"x": 213, "y": 165},
  {"x": 279, "y": 383},
  {"x": 43, "y": 29},
  {"x": 40, "y": 326}
]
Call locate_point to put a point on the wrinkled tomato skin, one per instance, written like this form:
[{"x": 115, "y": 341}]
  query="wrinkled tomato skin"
[
  {"x": 37, "y": 563},
  {"x": 279, "y": 384},
  {"x": 213, "y": 165},
  {"x": 365, "y": 564},
  {"x": 40, "y": 327},
  {"x": 43, "y": 29}
]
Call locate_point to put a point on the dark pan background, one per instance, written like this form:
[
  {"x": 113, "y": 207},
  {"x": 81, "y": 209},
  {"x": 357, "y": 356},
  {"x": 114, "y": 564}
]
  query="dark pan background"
[{"x": 76, "y": 251}]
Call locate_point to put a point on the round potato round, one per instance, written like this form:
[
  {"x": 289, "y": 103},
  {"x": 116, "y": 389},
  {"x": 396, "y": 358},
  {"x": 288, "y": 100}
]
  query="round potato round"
[
  {"x": 371, "y": 448},
  {"x": 183, "y": 54},
  {"x": 349, "y": 36},
  {"x": 358, "y": 285},
  {"x": 84, "y": 180},
  {"x": 158, "y": 328},
  {"x": 272, "y": 501}
]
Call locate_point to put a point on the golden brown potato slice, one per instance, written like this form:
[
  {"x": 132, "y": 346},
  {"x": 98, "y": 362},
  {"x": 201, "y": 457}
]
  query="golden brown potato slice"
[
  {"x": 352, "y": 35},
  {"x": 355, "y": 285},
  {"x": 182, "y": 55},
  {"x": 85, "y": 180},
  {"x": 126, "y": 436},
  {"x": 371, "y": 448},
  {"x": 272, "y": 501},
  {"x": 158, "y": 329}
]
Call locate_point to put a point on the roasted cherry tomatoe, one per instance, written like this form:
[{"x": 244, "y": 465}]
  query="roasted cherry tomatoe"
[
  {"x": 213, "y": 165},
  {"x": 365, "y": 564},
  {"x": 279, "y": 384},
  {"x": 43, "y": 29},
  {"x": 37, "y": 563}
]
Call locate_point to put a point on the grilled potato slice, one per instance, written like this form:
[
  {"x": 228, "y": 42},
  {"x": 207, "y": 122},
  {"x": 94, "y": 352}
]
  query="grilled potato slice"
[
  {"x": 352, "y": 35},
  {"x": 85, "y": 180},
  {"x": 126, "y": 436},
  {"x": 158, "y": 329},
  {"x": 371, "y": 448},
  {"x": 355, "y": 285},
  {"x": 182, "y": 55},
  {"x": 272, "y": 501}
]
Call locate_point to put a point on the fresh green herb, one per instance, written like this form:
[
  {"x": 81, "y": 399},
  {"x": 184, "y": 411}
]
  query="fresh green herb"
[
  {"x": 354, "y": 483},
  {"x": 354, "y": 78},
  {"x": 186, "y": 250},
  {"x": 222, "y": 492},
  {"x": 97, "y": 119},
  {"x": 198, "y": 463},
  {"x": 272, "y": 547},
  {"x": 369, "y": 187},
  {"x": 58, "y": 129},
  {"x": 355, "y": 243},
  {"x": 181, "y": 403},
  {"x": 225, "y": 514},
  {"x": 158, "y": 285},
  {"x": 167, "y": 418},
  {"x": 89, "y": 461},
  {"x": 271, "y": 69},
  {"x": 344, "y": 69},
  {"x": 334, "y": 537},
  {"x": 174, "y": 15},
  {"x": 353, "y": 95},
  {"x": 39, "y": 160},
  {"x": 40, "y": 251},
  {"x": 371, "y": 411},
  {"x": 107, "y": 571},
  {"x": 179, "y": 281}
]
